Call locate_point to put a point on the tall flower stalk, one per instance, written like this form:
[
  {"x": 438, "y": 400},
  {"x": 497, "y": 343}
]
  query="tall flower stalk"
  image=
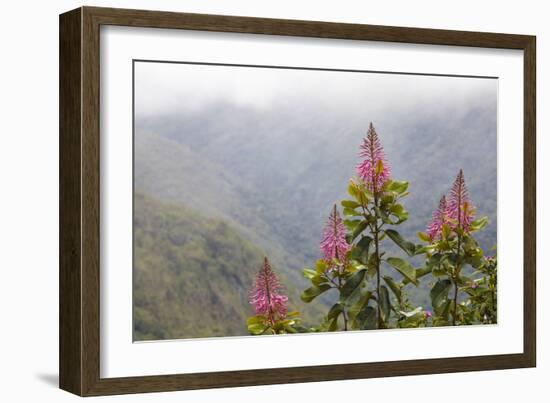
[
  {"x": 452, "y": 246},
  {"x": 334, "y": 246},
  {"x": 267, "y": 297},
  {"x": 460, "y": 215},
  {"x": 353, "y": 246},
  {"x": 439, "y": 218},
  {"x": 460, "y": 210},
  {"x": 374, "y": 171},
  {"x": 334, "y": 249},
  {"x": 271, "y": 305}
]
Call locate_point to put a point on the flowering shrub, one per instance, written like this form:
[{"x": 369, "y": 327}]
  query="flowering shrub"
[
  {"x": 270, "y": 305},
  {"x": 451, "y": 247},
  {"x": 354, "y": 260}
]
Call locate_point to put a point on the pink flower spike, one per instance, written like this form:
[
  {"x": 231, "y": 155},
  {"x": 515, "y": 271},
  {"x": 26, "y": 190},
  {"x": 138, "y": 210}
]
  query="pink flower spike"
[
  {"x": 266, "y": 295},
  {"x": 439, "y": 217},
  {"x": 334, "y": 244},
  {"x": 460, "y": 209},
  {"x": 374, "y": 170}
]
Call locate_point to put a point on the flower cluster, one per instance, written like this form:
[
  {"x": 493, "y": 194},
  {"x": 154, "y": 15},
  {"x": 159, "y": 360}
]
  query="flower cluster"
[
  {"x": 458, "y": 212},
  {"x": 374, "y": 170},
  {"x": 334, "y": 244},
  {"x": 266, "y": 296},
  {"x": 439, "y": 218}
]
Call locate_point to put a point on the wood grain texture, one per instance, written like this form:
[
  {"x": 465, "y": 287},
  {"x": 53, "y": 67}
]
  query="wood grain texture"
[
  {"x": 530, "y": 203},
  {"x": 70, "y": 275},
  {"x": 80, "y": 200}
]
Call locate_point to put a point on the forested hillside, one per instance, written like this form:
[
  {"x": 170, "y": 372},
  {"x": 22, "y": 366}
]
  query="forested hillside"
[{"x": 192, "y": 274}]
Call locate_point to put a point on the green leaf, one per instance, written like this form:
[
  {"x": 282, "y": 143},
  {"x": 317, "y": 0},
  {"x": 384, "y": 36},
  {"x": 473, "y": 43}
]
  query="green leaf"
[
  {"x": 399, "y": 211},
  {"x": 321, "y": 266},
  {"x": 422, "y": 272},
  {"x": 419, "y": 274},
  {"x": 384, "y": 302},
  {"x": 319, "y": 280},
  {"x": 478, "y": 224},
  {"x": 388, "y": 199},
  {"x": 353, "y": 190},
  {"x": 358, "y": 305},
  {"x": 333, "y": 326},
  {"x": 290, "y": 329},
  {"x": 256, "y": 325},
  {"x": 351, "y": 212},
  {"x": 361, "y": 250},
  {"x": 412, "y": 313},
  {"x": 301, "y": 329},
  {"x": 335, "y": 311},
  {"x": 379, "y": 167},
  {"x": 440, "y": 291},
  {"x": 396, "y": 237},
  {"x": 352, "y": 283},
  {"x": 445, "y": 231},
  {"x": 398, "y": 187},
  {"x": 403, "y": 267},
  {"x": 255, "y": 320},
  {"x": 445, "y": 308},
  {"x": 351, "y": 224},
  {"x": 393, "y": 286},
  {"x": 350, "y": 204},
  {"x": 357, "y": 230},
  {"x": 366, "y": 318},
  {"x": 309, "y": 273},
  {"x": 423, "y": 236},
  {"x": 312, "y": 292},
  {"x": 423, "y": 249}
]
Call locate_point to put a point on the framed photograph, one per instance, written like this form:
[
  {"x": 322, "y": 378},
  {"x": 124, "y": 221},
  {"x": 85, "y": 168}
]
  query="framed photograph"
[{"x": 249, "y": 201}]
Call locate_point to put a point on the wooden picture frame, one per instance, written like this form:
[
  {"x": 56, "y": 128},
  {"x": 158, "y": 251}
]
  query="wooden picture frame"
[{"x": 80, "y": 186}]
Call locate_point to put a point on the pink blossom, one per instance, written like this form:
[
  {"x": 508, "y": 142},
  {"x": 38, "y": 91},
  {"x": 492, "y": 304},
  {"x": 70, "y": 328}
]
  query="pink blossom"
[
  {"x": 374, "y": 170},
  {"x": 266, "y": 295},
  {"x": 334, "y": 244},
  {"x": 460, "y": 209},
  {"x": 427, "y": 314},
  {"x": 439, "y": 217}
]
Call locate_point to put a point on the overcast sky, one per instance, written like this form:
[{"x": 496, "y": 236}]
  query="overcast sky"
[{"x": 168, "y": 88}]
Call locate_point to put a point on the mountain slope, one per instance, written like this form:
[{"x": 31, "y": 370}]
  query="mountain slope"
[
  {"x": 172, "y": 171},
  {"x": 191, "y": 274}
]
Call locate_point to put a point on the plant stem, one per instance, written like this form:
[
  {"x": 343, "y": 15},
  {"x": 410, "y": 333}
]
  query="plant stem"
[
  {"x": 270, "y": 315},
  {"x": 493, "y": 298},
  {"x": 456, "y": 277},
  {"x": 456, "y": 273},
  {"x": 344, "y": 315},
  {"x": 374, "y": 179},
  {"x": 455, "y": 301},
  {"x": 377, "y": 260},
  {"x": 340, "y": 282}
]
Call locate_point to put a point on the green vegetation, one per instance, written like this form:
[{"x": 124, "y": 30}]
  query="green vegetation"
[
  {"x": 271, "y": 184},
  {"x": 192, "y": 274},
  {"x": 353, "y": 255}
]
